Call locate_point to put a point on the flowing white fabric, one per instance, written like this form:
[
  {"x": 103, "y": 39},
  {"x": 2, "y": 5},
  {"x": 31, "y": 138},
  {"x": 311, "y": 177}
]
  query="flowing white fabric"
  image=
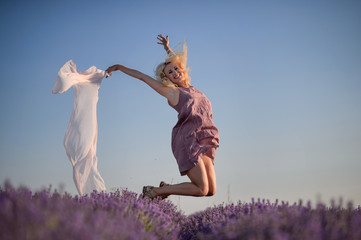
[{"x": 80, "y": 139}]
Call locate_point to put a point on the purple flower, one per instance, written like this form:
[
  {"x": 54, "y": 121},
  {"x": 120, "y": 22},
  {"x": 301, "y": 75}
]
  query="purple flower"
[{"x": 122, "y": 214}]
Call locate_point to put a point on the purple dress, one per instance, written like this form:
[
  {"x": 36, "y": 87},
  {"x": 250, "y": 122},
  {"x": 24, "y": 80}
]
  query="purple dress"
[{"x": 195, "y": 133}]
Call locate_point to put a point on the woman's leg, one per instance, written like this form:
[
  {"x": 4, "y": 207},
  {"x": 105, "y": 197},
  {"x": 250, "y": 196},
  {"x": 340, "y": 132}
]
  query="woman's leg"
[
  {"x": 211, "y": 176},
  {"x": 203, "y": 182}
]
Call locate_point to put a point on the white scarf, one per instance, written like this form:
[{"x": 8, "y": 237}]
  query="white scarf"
[{"x": 80, "y": 139}]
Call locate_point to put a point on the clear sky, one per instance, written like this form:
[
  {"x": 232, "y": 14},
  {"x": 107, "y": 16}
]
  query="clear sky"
[{"x": 284, "y": 79}]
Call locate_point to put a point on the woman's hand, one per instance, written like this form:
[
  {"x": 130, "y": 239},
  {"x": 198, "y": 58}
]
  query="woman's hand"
[
  {"x": 111, "y": 69},
  {"x": 165, "y": 42}
]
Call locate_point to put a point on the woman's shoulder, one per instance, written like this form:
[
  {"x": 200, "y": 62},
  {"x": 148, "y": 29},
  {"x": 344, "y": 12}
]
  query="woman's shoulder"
[
  {"x": 195, "y": 90},
  {"x": 189, "y": 89}
]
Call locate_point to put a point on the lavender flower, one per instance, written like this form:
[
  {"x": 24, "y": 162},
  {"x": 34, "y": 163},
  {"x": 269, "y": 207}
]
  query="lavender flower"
[{"x": 123, "y": 214}]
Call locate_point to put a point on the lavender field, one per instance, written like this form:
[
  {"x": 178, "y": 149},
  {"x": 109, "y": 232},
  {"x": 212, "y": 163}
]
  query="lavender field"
[{"x": 123, "y": 214}]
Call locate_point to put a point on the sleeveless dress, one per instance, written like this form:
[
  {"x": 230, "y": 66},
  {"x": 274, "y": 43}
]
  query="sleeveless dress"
[{"x": 195, "y": 134}]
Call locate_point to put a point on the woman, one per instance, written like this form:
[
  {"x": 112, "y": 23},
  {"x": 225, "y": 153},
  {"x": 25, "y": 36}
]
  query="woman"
[{"x": 194, "y": 137}]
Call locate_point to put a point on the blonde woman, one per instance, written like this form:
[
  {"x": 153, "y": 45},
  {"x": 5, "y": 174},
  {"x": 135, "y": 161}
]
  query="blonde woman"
[{"x": 194, "y": 137}]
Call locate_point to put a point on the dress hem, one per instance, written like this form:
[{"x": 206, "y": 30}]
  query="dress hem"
[{"x": 208, "y": 150}]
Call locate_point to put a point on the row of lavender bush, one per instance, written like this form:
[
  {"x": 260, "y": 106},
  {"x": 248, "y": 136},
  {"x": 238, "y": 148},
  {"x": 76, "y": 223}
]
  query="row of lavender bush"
[{"x": 122, "y": 214}]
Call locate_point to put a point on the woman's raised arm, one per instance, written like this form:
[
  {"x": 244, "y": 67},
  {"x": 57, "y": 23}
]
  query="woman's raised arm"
[{"x": 168, "y": 92}]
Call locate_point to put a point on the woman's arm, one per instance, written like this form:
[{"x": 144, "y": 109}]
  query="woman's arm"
[
  {"x": 170, "y": 93},
  {"x": 165, "y": 42}
]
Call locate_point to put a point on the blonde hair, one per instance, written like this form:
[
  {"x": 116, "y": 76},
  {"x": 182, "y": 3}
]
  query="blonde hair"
[{"x": 179, "y": 59}]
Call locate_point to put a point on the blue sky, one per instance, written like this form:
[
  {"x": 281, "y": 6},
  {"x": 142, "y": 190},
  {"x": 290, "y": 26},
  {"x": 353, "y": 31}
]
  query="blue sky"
[{"x": 284, "y": 78}]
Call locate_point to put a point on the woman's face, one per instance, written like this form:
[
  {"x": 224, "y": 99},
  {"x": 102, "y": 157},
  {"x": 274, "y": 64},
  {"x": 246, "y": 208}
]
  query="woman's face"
[{"x": 174, "y": 73}]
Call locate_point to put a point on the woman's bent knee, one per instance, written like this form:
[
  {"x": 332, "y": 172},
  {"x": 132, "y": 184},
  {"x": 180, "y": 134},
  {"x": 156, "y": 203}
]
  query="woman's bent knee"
[
  {"x": 211, "y": 192},
  {"x": 203, "y": 191}
]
